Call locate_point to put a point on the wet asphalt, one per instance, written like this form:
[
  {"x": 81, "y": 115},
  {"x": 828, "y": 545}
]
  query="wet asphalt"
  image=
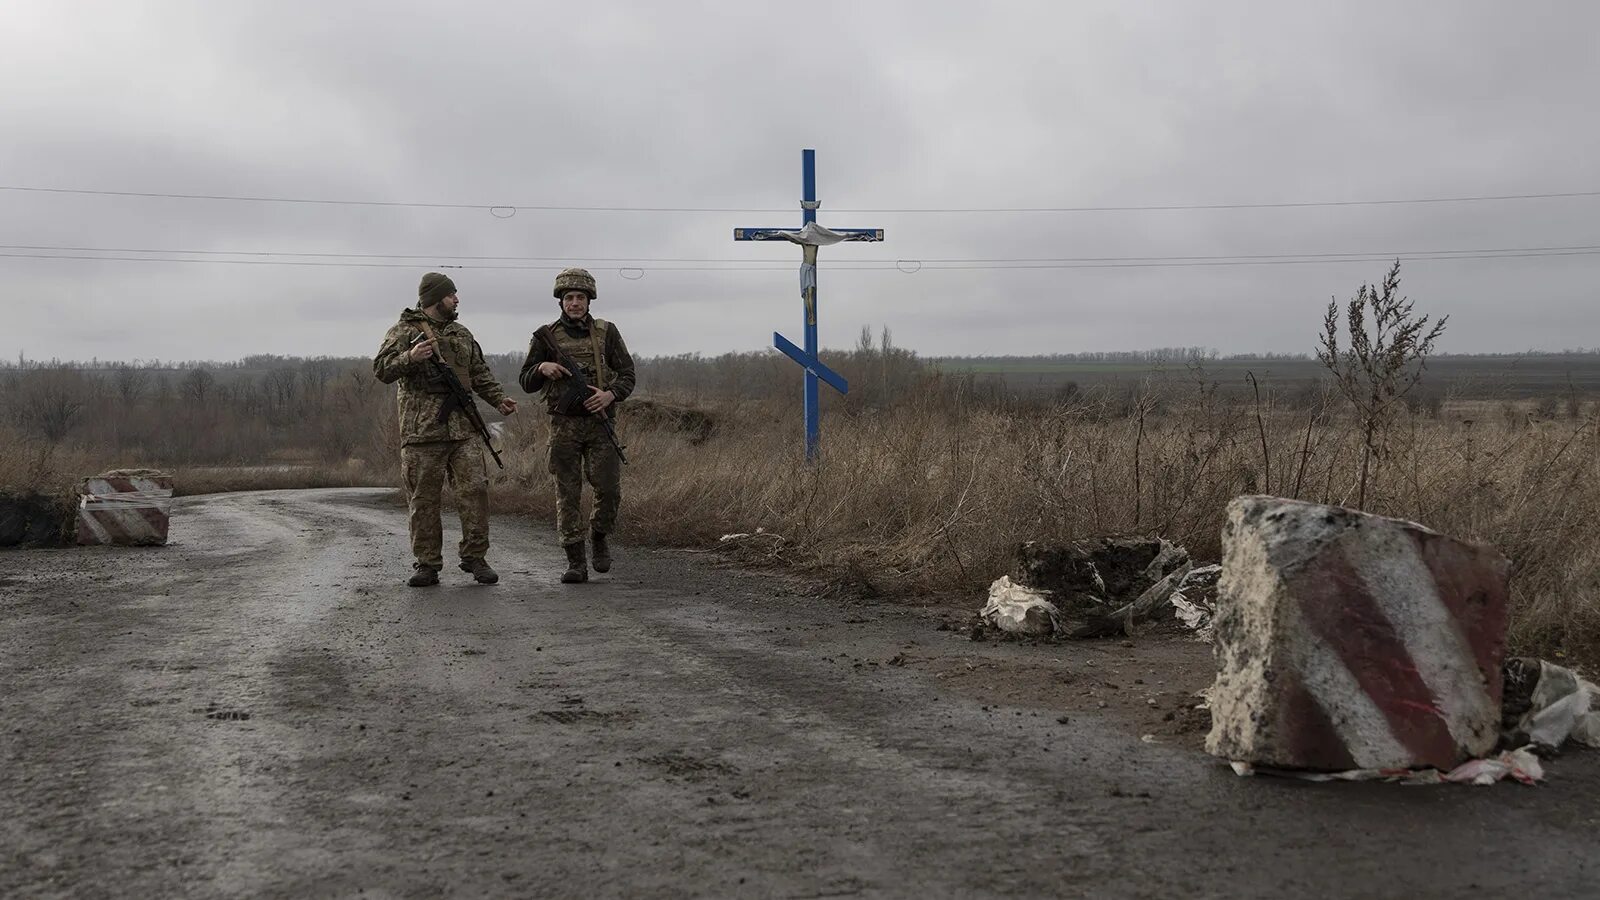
[{"x": 262, "y": 709}]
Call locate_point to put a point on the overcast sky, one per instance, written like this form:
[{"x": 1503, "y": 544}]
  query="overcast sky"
[{"x": 944, "y": 105}]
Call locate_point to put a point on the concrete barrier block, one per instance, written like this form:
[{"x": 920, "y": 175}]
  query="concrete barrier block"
[
  {"x": 1346, "y": 640},
  {"x": 125, "y": 506}
]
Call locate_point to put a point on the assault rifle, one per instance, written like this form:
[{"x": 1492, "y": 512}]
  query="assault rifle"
[
  {"x": 459, "y": 398},
  {"x": 577, "y": 390}
]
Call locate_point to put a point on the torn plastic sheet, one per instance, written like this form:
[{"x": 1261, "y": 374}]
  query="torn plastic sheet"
[
  {"x": 741, "y": 535},
  {"x": 1519, "y": 765},
  {"x": 1563, "y": 706},
  {"x": 1019, "y": 610},
  {"x": 1194, "y": 600},
  {"x": 158, "y": 500}
]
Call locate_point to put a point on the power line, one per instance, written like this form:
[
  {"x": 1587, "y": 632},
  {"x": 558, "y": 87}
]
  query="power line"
[
  {"x": 1363, "y": 255},
  {"x": 839, "y": 266},
  {"x": 510, "y": 209}
]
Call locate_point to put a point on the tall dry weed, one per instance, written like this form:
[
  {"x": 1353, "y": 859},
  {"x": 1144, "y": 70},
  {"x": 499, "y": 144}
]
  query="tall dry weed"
[
  {"x": 933, "y": 495},
  {"x": 925, "y": 487}
]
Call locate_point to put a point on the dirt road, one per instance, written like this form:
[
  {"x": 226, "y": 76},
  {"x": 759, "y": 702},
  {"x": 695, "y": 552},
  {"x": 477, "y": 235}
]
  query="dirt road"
[{"x": 262, "y": 708}]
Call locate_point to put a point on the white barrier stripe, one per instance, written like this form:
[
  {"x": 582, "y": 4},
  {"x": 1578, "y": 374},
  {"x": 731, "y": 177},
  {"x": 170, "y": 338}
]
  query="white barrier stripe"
[
  {"x": 109, "y": 527},
  {"x": 1360, "y": 723},
  {"x": 101, "y": 536},
  {"x": 1403, "y": 587},
  {"x": 133, "y": 528}
]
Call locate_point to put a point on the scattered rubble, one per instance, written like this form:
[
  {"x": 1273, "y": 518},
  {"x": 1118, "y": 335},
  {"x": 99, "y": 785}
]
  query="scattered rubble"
[
  {"x": 694, "y": 423},
  {"x": 1093, "y": 588}
]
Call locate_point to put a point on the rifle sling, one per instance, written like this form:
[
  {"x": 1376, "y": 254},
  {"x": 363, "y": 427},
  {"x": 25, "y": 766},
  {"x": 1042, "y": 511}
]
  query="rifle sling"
[
  {"x": 451, "y": 402},
  {"x": 560, "y": 358}
]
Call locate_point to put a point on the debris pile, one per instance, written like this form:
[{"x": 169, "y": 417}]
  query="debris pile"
[
  {"x": 31, "y": 519},
  {"x": 1547, "y": 705},
  {"x": 1092, "y": 588}
]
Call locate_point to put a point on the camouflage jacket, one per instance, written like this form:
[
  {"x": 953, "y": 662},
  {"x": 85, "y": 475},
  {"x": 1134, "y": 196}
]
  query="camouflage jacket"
[
  {"x": 598, "y": 349},
  {"x": 422, "y": 388}
]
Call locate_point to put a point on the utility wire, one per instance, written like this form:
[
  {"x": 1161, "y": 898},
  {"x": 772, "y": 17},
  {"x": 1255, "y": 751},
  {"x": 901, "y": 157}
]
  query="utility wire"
[
  {"x": 512, "y": 209},
  {"x": 1364, "y": 255},
  {"x": 836, "y": 267}
]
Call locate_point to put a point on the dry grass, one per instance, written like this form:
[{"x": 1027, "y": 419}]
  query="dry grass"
[
  {"x": 929, "y": 488},
  {"x": 224, "y": 479},
  {"x": 932, "y": 496},
  {"x": 33, "y": 466}
]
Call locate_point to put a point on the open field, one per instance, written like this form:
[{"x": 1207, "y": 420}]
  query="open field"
[
  {"x": 1511, "y": 377},
  {"x": 929, "y": 481}
]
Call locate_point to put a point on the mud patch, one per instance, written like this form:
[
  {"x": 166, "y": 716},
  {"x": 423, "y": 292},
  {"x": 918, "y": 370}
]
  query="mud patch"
[
  {"x": 1148, "y": 687},
  {"x": 581, "y": 716},
  {"x": 225, "y": 714},
  {"x": 689, "y": 768},
  {"x": 158, "y": 665}
]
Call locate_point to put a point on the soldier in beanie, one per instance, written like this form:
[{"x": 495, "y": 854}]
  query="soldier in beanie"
[
  {"x": 579, "y": 445},
  {"x": 436, "y": 445}
]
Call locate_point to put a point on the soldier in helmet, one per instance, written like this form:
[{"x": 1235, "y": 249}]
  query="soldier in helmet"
[
  {"x": 579, "y": 446},
  {"x": 435, "y": 443}
]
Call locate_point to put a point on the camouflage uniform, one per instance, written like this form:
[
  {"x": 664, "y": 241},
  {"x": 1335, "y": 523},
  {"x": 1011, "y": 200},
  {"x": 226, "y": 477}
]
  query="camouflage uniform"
[
  {"x": 579, "y": 448},
  {"x": 432, "y": 451}
]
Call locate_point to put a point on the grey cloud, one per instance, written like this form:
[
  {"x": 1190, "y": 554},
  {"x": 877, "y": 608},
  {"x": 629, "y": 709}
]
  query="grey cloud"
[{"x": 908, "y": 105}]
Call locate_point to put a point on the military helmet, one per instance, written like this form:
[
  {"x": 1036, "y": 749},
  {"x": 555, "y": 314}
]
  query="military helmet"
[{"x": 575, "y": 280}]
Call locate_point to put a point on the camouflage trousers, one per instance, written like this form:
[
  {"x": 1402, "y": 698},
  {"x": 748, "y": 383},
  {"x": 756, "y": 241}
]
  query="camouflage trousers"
[
  {"x": 579, "y": 450},
  {"x": 426, "y": 467}
]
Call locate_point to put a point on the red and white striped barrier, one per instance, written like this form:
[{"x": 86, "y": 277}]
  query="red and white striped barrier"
[
  {"x": 128, "y": 507},
  {"x": 1350, "y": 641}
]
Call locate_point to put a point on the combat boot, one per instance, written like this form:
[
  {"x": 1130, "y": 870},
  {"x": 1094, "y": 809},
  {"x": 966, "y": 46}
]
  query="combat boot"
[
  {"x": 602, "y": 552},
  {"x": 480, "y": 570},
  {"x": 424, "y": 576},
  {"x": 577, "y": 569}
]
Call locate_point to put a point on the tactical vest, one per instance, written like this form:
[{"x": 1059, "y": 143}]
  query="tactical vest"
[
  {"x": 455, "y": 350},
  {"x": 588, "y": 352}
]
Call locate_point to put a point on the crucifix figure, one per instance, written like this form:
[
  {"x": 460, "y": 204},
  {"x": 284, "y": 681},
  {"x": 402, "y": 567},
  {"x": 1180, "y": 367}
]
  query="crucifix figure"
[{"x": 810, "y": 236}]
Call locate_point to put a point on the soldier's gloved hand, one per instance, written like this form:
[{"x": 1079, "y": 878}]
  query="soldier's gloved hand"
[
  {"x": 598, "y": 400},
  {"x": 420, "y": 351},
  {"x": 507, "y": 406}
]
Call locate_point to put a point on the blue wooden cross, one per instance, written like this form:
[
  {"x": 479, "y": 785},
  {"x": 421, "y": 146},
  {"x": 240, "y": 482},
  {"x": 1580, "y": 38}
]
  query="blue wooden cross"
[{"x": 810, "y": 236}]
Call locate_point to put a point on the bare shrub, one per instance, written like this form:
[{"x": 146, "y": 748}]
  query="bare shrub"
[
  {"x": 47, "y": 402},
  {"x": 1389, "y": 347}
]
